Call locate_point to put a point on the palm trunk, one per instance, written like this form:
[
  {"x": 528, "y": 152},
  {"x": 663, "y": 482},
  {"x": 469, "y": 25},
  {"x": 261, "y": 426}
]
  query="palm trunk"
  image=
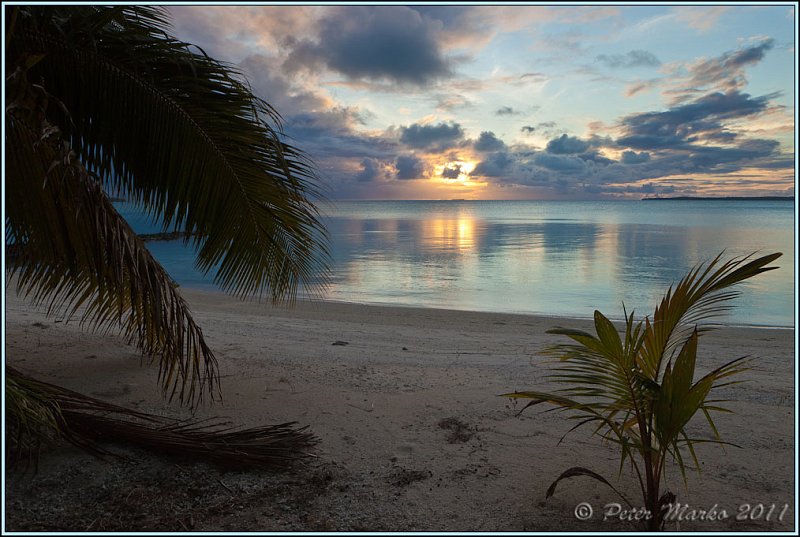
[{"x": 652, "y": 500}]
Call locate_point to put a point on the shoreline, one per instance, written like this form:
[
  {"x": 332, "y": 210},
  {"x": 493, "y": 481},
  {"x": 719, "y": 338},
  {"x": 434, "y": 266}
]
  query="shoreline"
[
  {"x": 540, "y": 316},
  {"x": 413, "y": 434}
]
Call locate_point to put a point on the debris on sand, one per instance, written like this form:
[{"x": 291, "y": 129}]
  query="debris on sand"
[{"x": 460, "y": 432}]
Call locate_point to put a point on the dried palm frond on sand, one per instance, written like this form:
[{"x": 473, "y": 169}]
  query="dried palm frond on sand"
[{"x": 91, "y": 424}]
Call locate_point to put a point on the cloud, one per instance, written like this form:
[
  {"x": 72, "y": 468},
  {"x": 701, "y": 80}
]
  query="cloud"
[
  {"x": 288, "y": 96},
  {"x": 595, "y": 157},
  {"x": 453, "y": 101},
  {"x": 560, "y": 163},
  {"x": 701, "y": 138},
  {"x": 432, "y": 137},
  {"x": 506, "y": 111},
  {"x": 409, "y": 167},
  {"x": 451, "y": 172},
  {"x": 333, "y": 133},
  {"x": 689, "y": 123},
  {"x": 632, "y": 157},
  {"x": 634, "y": 58},
  {"x": 527, "y": 129},
  {"x": 488, "y": 142},
  {"x": 727, "y": 71},
  {"x": 549, "y": 128},
  {"x": 259, "y": 29},
  {"x": 639, "y": 86},
  {"x": 370, "y": 172},
  {"x": 495, "y": 165},
  {"x": 473, "y": 27},
  {"x": 379, "y": 43},
  {"x": 700, "y": 18},
  {"x": 722, "y": 136},
  {"x": 712, "y": 157},
  {"x": 566, "y": 145}
]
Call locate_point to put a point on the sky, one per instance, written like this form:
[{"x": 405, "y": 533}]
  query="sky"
[{"x": 522, "y": 102}]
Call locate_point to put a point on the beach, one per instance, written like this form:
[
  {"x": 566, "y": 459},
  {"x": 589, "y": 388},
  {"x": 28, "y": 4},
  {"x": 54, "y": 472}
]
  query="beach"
[{"x": 413, "y": 435}]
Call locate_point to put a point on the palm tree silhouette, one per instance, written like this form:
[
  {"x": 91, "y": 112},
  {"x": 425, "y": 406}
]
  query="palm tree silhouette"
[{"x": 103, "y": 101}]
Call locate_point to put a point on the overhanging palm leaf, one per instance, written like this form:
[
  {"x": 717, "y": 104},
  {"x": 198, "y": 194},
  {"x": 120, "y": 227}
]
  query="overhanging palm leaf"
[
  {"x": 74, "y": 250},
  {"x": 182, "y": 135},
  {"x": 104, "y": 99},
  {"x": 128, "y": 107},
  {"x": 638, "y": 390}
]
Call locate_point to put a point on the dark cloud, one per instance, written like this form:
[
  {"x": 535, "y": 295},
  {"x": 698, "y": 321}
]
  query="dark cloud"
[
  {"x": 560, "y": 163},
  {"x": 370, "y": 171},
  {"x": 409, "y": 167},
  {"x": 684, "y": 124},
  {"x": 333, "y": 134},
  {"x": 597, "y": 158},
  {"x": 506, "y": 111},
  {"x": 724, "y": 73},
  {"x": 632, "y": 157},
  {"x": 451, "y": 172},
  {"x": 548, "y": 128},
  {"x": 711, "y": 157},
  {"x": 724, "y": 137},
  {"x": 567, "y": 145},
  {"x": 634, "y": 58},
  {"x": 432, "y": 137},
  {"x": 727, "y": 71},
  {"x": 527, "y": 129},
  {"x": 385, "y": 43},
  {"x": 488, "y": 142},
  {"x": 685, "y": 140},
  {"x": 495, "y": 165}
]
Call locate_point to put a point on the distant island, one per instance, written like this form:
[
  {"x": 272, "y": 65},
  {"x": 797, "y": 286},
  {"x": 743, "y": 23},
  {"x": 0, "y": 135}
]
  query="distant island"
[
  {"x": 166, "y": 236},
  {"x": 728, "y": 198}
]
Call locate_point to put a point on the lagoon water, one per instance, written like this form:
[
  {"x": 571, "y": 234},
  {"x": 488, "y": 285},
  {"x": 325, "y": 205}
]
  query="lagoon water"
[{"x": 552, "y": 258}]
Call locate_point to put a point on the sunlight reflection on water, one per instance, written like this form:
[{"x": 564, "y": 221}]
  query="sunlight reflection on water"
[{"x": 561, "y": 259}]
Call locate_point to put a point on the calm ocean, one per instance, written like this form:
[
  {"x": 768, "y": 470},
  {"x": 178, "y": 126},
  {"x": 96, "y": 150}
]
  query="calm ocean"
[{"x": 554, "y": 258}]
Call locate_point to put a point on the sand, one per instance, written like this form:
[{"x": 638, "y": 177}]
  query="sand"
[{"x": 413, "y": 433}]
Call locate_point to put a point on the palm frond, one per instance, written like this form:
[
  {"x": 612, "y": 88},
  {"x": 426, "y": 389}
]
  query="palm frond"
[
  {"x": 580, "y": 471},
  {"x": 78, "y": 256},
  {"x": 33, "y": 420},
  {"x": 700, "y": 295},
  {"x": 92, "y": 424},
  {"x": 584, "y": 412},
  {"x": 601, "y": 368},
  {"x": 182, "y": 135}
]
